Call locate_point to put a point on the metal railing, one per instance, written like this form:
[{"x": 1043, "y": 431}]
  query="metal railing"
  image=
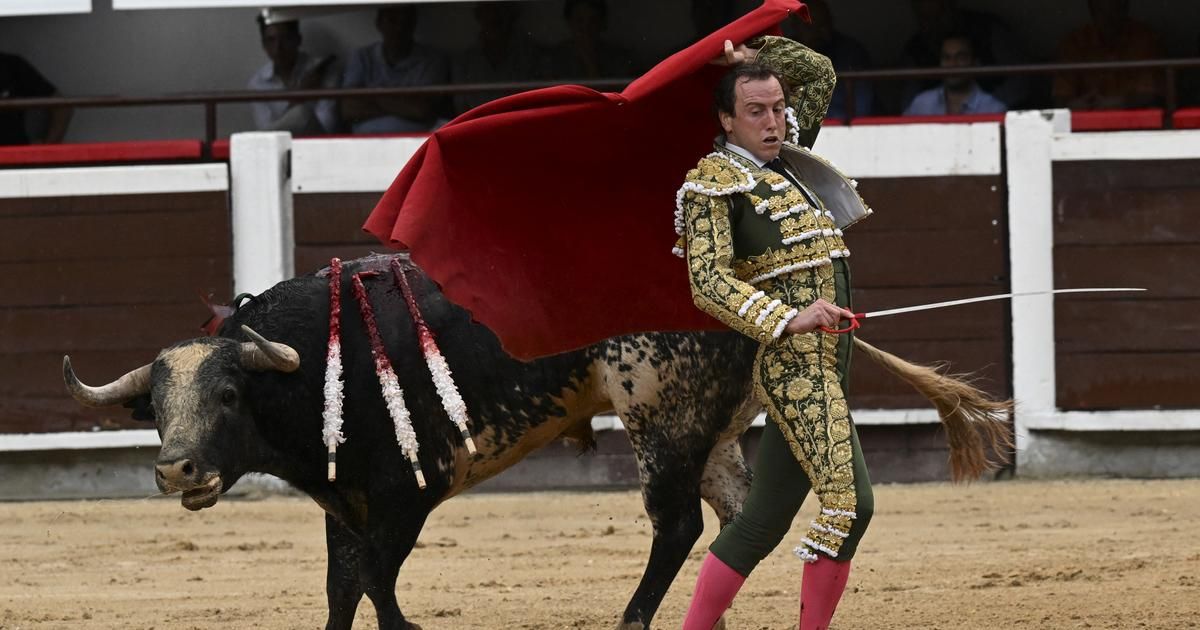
[{"x": 211, "y": 100}]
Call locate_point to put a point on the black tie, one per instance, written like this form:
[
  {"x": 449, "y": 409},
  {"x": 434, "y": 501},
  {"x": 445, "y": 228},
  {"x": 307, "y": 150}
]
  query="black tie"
[{"x": 778, "y": 166}]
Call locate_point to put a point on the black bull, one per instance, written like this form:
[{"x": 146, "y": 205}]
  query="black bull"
[{"x": 225, "y": 407}]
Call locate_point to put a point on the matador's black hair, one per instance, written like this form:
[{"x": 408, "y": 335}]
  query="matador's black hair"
[{"x": 726, "y": 92}]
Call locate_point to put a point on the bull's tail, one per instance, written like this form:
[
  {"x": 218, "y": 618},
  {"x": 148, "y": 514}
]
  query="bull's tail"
[{"x": 975, "y": 423}]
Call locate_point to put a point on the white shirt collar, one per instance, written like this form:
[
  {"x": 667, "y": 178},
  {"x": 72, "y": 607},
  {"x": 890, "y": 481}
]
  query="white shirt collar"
[{"x": 744, "y": 153}]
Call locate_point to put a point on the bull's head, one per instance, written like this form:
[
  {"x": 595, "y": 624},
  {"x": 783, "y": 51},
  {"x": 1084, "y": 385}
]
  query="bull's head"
[{"x": 196, "y": 392}]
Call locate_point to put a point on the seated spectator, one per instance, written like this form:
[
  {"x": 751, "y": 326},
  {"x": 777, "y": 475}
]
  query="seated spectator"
[
  {"x": 395, "y": 61},
  {"x": 845, "y": 52},
  {"x": 1110, "y": 36},
  {"x": 19, "y": 79},
  {"x": 935, "y": 19},
  {"x": 958, "y": 94},
  {"x": 994, "y": 43},
  {"x": 290, "y": 68},
  {"x": 585, "y": 54},
  {"x": 501, "y": 55}
]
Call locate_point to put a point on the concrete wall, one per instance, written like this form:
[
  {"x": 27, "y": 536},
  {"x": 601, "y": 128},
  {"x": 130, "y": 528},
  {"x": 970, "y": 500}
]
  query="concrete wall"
[
  {"x": 894, "y": 454},
  {"x": 1139, "y": 454},
  {"x": 97, "y": 474}
]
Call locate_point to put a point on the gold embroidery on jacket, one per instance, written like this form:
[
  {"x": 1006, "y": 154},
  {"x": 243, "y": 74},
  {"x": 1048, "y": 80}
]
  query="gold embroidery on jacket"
[
  {"x": 797, "y": 380},
  {"x": 715, "y": 288}
]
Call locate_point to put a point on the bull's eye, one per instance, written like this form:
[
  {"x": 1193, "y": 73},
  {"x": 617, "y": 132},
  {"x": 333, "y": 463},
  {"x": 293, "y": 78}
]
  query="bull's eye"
[{"x": 229, "y": 396}]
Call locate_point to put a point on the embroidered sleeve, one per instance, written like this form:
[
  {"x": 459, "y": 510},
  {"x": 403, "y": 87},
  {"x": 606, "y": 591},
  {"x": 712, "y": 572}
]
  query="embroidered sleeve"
[
  {"x": 810, "y": 78},
  {"x": 715, "y": 288}
]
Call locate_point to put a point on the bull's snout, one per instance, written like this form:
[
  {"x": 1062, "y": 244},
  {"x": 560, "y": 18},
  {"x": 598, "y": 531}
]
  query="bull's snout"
[
  {"x": 176, "y": 474},
  {"x": 200, "y": 488}
]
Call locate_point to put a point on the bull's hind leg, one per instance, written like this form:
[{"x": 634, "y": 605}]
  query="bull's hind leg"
[
  {"x": 669, "y": 467},
  {"x": 676, "y": 394},
  {"x": 670, "y": 429},
  {"x": 726, "y": 480}
]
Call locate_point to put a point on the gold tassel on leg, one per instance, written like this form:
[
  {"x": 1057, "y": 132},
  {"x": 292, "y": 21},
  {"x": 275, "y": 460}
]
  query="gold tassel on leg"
[{"x": 974, "y": 422}]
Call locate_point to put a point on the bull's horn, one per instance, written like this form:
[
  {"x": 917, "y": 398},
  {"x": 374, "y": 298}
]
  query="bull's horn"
[
  {"x": 122, "y": 390},
  {"x": 261, "y": 354}
]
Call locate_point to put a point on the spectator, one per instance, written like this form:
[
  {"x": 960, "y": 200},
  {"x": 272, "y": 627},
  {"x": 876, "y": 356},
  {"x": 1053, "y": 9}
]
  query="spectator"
[
  {"x": 845, "y": 52},
  {"x": 958, "y": 94},
  {"x": 395, "y": 61},
  {"x": 19, "y": 79},
  {"x": 1111, "y": 35},
  {"x": 585, "y": 54},
  {"x": 992, "y": 41},
  {"x": 502, "y": 54},
  {"x": 290, "y": 68}
]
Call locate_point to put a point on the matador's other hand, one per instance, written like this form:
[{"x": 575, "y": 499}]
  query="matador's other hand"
[
  {"x": 735, "y": 55},
  {"x": 816, "y": 315}
]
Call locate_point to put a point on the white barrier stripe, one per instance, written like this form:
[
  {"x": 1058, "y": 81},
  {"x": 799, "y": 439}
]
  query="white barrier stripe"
[
  {"x": 1177, "y": 144},
  {"x": 113, "y": 180}
]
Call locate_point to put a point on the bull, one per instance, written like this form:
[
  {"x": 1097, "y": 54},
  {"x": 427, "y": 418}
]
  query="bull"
[{"x": 244, "y": 401}]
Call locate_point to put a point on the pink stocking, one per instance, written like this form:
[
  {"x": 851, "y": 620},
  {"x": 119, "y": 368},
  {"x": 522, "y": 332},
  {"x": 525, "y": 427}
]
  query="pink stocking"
[
  {"x": 824, "y": 581},
  {"x": 715, "y": 589}
]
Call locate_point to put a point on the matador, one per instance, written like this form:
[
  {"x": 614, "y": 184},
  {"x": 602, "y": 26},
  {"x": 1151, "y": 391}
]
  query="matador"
[{"x": 761, "y": 222}]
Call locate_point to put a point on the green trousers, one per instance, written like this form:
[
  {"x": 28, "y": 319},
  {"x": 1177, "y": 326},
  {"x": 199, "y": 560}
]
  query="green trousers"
[
  {"x": 778, "y": 490},
  {"x": 781, "y": 484}
]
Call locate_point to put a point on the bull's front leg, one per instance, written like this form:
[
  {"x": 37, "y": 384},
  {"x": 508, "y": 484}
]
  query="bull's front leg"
[
  {"x": 368, "y": 565},
  {"x": 389, "y": 541},
  {"x": 343, "y": 586}
]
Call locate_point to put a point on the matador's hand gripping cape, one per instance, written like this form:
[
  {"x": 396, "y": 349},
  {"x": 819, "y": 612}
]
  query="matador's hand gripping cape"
[{"x": 549, "y": 214}]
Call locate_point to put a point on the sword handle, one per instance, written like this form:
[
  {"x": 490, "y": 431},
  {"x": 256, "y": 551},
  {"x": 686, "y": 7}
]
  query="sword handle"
[{"x": 855, "y": 324}]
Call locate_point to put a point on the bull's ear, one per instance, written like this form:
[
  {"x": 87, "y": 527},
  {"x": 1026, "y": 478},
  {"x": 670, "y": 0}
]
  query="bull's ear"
[{"x": 142, "y": 408}]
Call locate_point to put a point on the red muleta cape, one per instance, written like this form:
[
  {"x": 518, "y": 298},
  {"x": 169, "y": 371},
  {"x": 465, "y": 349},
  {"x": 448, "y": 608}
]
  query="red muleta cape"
[{"x": 549, "y": 214}]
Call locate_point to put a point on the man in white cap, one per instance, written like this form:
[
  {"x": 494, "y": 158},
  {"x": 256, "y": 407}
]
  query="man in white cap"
[{"x": 290, "y": 68}]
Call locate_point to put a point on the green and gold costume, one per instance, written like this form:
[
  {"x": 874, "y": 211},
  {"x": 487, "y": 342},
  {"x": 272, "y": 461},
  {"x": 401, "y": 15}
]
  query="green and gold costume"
[{"x": 759, "y": 248}]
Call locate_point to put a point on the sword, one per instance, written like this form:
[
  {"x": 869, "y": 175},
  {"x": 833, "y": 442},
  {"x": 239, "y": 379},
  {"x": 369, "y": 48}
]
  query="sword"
[{"x": 858, "y": 317}]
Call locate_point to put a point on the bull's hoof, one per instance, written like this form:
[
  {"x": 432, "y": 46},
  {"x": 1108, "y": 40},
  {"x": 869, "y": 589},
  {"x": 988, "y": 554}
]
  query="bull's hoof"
[{"x": 631, "y": 625}]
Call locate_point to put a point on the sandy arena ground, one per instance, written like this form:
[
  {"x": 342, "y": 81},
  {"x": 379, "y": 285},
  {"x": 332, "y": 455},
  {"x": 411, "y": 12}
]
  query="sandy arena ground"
[{"x": 1099, "y": 554}]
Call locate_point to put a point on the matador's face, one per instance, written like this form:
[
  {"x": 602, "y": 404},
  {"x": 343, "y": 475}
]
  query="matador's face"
[{"x": 758, "y": 123}]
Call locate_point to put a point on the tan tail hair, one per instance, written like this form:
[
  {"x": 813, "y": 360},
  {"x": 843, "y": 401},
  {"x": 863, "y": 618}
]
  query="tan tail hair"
[{"x": 975, "y": 423}]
